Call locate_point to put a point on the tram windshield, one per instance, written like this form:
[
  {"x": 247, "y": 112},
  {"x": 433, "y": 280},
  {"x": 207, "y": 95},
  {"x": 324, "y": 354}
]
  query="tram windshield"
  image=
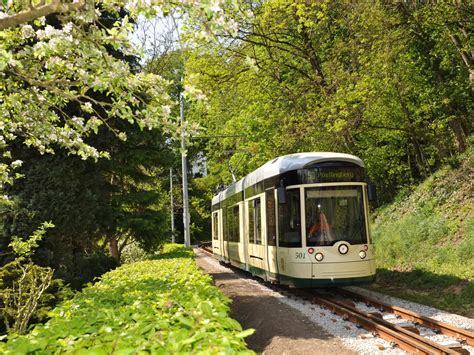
[{"x": 334, "y": 214}]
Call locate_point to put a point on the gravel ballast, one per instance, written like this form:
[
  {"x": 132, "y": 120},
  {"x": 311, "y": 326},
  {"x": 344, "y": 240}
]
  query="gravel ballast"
[{"x": 345, "y": 337}]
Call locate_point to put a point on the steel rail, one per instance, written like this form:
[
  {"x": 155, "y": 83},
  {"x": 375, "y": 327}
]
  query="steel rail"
[
  {"x": 206, "y": 246},
  {"x": 443, "y": 328},
  {"x": 405, "y": 339}
]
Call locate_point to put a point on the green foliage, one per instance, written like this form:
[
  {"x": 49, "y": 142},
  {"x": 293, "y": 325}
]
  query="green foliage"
[
  {"x": 47, "y": 66},
  {"x": 22, "y": 291},
  {"x": 132, "y": 253},
  {"x": 24, "y": 248},
  {"x": 409, "y": 241},
  {"x": 84, "y": 268},
  {"x": 27, "y": 290},
  {"x": 160, "y": 306},
  {"x": 442, "y": 291},
  {"x": 425, "y": 241},
  {"x": 384, "y": 81},
  {"x": 201, "y": 193}
]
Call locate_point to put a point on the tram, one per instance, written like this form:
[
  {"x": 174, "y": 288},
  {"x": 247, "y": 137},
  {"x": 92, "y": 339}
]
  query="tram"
[{"x": 299, "y": 220}]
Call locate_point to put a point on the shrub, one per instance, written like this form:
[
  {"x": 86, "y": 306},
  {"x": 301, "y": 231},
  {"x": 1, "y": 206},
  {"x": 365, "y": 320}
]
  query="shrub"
[
  {"x": 133, "y": 253},
  {"x": 27, "y": 290},
  {"x": 84, "y": 268},
  {"x": 160, "y": 306},
  {"x": 23, "y": 287}
]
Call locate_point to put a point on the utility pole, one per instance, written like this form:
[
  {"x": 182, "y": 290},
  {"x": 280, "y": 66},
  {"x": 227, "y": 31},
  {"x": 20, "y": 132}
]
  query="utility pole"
[
  {"x": 172, "y": 206},
  {"x": 184, "y": 166}
]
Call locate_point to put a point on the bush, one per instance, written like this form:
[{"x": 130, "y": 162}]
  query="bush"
[
  {"x": 133, "y": 253},
  {"x": 159, "y": 306},
  {"x": 27, "y": 290},
  {"x": 84, "y": 268},
  {"x": 23, "y": 294}
]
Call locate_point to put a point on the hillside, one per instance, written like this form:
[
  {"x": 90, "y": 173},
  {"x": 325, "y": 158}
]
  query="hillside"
[{"x": 425, "y": 240}]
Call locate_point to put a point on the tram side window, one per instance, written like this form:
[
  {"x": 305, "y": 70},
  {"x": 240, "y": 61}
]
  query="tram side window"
[
  {"x": 271, "y": 223},
  {"x": 289, "y": 218},
  {"x": 215, "y": 227},
  {"x": 225, "y": 224},
  {"x": 230, "y": 224},
  {"x": 236, "y": 224},
  {"x": 255, "y": 221},
  {"x": 233, "y": 224}
]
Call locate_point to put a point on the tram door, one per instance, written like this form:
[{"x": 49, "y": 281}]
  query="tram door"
[
  {"x": 271, "y": 232},
  {"x": 217, "y": 234},
  {"x": 255, "y": 233}
]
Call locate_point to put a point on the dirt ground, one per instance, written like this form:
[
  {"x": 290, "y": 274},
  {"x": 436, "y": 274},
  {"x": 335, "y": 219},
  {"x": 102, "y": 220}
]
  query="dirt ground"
[{"x": 280, "y": 329}]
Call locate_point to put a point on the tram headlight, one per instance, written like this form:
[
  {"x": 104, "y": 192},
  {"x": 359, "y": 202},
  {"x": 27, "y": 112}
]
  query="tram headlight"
[
  {"x": 343, "y": 249},
  {"x": 319, "y": 256},
  {"x": 362, "y": 254}
]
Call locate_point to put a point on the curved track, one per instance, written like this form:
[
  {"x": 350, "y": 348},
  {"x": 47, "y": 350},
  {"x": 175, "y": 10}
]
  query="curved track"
[
  {"x": 403, "y": 338},
  {"x": 407, "y": 339},
  {"x": 441, "y": 327}
]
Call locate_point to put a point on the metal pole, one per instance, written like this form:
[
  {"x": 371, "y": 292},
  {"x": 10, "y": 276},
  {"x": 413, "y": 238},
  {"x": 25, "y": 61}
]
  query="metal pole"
[
  {"x": 172, "y": 205},
  {"x": 184, "y": 166}
]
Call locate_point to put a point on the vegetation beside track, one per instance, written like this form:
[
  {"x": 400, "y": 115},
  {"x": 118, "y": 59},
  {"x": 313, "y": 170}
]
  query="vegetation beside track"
[
  {"x": 165, "y": 305},
  {"x": 425, "y": 241}
]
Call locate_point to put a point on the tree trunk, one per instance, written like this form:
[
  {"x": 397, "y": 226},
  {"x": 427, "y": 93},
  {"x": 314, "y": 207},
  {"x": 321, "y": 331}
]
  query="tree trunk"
[
  {"x": 459, "y": 134},
  {"x": 113, "y": 249}
]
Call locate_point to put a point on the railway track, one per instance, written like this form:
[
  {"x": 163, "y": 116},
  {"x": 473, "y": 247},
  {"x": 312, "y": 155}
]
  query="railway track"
[
  {"x": 206, "y": 247},
  {"x": 462, "y": 335},
  {"x": 339, "y": 301},
  {"x": 405, "y": 339}
]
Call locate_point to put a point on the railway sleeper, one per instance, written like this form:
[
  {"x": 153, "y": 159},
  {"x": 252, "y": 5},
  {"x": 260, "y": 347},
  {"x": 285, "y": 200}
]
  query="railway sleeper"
[
  {"x": 463, "y": 335},
  {"x": 411, "y": 328},
  {"x": 386, "y": 330},
  {"x": 459, "y": 350}
]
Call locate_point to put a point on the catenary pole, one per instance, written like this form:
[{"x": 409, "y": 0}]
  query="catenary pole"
[
  {"x": 184, "y": 166},
  {"x": 172, "y": 205}
]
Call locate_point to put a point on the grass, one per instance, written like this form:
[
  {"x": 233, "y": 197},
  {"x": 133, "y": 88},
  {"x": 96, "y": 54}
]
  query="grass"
[
  {"x": 445, "y": 292},
  {"x": 425, "y": 242}
]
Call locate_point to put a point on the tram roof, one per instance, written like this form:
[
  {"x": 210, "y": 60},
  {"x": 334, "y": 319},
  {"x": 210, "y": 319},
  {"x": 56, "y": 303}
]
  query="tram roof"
[{"x": 281, "y": 165}]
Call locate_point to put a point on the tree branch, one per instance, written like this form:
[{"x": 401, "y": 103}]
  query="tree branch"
[{"x": 56, "y": 6}]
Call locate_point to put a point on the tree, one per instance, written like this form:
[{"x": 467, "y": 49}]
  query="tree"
[
  {"x": 46, "y": 67},
  {"x": 382, "y": 81}
]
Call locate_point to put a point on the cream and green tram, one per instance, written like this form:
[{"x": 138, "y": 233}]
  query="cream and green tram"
[{"x": 298, "y": 220}]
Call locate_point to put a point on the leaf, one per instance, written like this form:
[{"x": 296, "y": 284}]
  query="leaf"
[
  {"x": 124, "y": 310},
  {"x": 186, "y": 321},
  {"x": 206, "y": 309},
  {"x": 245, "y": 333}
]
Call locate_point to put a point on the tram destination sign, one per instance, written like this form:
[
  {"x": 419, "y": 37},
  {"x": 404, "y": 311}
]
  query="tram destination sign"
[{"x": 333, "y": 174}]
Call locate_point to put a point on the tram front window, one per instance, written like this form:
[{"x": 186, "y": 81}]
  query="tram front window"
[{"x": 334, "y": 214}]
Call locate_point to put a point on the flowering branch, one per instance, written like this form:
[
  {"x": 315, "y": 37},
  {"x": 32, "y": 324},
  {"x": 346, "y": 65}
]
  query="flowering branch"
[{"x": 56, "y": 6}]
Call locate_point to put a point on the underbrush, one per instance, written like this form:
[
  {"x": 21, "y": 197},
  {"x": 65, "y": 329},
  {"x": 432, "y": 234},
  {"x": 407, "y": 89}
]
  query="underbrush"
[
  {"x": 165, "y": 305},
  {"x": 425, "y": 241}
]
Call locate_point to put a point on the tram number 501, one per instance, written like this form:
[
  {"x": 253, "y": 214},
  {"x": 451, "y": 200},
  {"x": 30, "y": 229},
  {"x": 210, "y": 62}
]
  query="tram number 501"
[{"x": 300, "y": 255}]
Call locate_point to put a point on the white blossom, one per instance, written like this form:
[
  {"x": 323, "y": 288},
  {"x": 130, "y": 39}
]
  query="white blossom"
[
  {"x": 50, "y": 31},
  {"x": 27, "y": 32},
  {"x": 77, "y": 120},
  {"x": 67, "y": 28},
  {"x": 215, "y": 6},
  {"x": 16, "y": 164},
  {"x": 87, "y": 107},
  {"x": 166, "y": 110}
]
